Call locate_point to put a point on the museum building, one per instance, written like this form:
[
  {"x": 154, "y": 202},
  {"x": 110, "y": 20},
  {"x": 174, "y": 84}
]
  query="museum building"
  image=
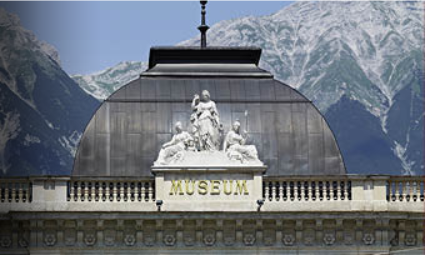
[{"x": 206, "y": 153}]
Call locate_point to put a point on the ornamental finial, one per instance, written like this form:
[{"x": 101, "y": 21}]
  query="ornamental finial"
[{"x": 203, "y": 27}]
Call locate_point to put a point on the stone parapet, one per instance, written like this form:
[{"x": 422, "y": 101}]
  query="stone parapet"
[{"x": 350, "y": 193}]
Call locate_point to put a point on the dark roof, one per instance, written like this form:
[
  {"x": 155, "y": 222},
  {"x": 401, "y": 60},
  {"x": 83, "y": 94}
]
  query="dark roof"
[
  {"x": 210, "y": 61},
  {"x": 126, "y": 133}
]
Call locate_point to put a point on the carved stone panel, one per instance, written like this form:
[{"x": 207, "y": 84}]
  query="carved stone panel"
[{"x": 208, "y": 189}]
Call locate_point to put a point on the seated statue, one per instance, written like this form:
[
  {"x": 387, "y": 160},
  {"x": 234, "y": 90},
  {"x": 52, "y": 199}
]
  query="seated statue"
[
  {"x": 174, "y": 150},
  {"x": 235, "y": 148}
]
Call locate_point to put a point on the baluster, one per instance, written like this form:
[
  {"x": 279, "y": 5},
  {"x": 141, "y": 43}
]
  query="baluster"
[
  {"x": 6, "y": 193},
  {"x": 411, "y": 190},
  {"x": 107, "y": 192},
  {"x": 86, "y": 191},
  {"x": 415, "y": 191},
  {"x": 24, "y": 192},
  {"x": 128, "y": 191},
  {"x": 90, "y": 189},
  {"x": 301, "y": 190},
  {"x": 349, "y": 195},
  {"x": 309, "y": 190},
  {"x": 13, "y": 194},
  {"x": 71, "y": 190},
  {"x": 273, "y": 191},
  {"x": 328, "y": 190},
  {"x": 292, "y": 191},
  {"x": 139, "y": 191},
  {"x": 314, "y": 193},
  {"x": 334, "y": 190},
  {"x": 143, "y": 193},
  {"x": 114, "y": 191},
  {"x": 132, "y": 191},
  {"x": 397, "y": 191},
  {"x": 341, "y": 190},
  {"x": 150, "y": 191},
  {"x": 94, "y": 191},
  {"x": 392, "y": 190},
  {"x": 404, "y": 190},
  {"x": 280, "y": 191},
  {"x": 99, "y": 192},
  {"x": 78, "y": 191},
  {"x": 266, "y": 190},
  {"x": 122, "y": 193},
  {"x": 20, "y": 193}
]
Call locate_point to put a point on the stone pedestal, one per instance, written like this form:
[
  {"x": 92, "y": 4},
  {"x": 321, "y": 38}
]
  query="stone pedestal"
[{"x": 214, "y": 189}]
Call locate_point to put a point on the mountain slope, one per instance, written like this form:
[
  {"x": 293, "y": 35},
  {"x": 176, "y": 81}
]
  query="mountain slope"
[
  {"x": 42, "y": 110},
  {"x": 101, "y": 84}
]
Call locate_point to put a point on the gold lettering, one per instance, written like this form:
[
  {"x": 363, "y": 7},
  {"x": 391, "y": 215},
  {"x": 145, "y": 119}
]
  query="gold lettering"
[
  {"x": 188, "y": 190},
  {"x": 228, "y": 192},
  {"x": 241, "y": 187},
  {"x": 175, "y": 187},
  {"x": 215, "y": 187},
  {"x": 202, "y": 187}
]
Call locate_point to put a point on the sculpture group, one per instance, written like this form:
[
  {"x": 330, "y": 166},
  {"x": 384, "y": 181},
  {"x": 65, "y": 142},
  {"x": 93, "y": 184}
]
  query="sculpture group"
[{"x": 205, "y": 136}]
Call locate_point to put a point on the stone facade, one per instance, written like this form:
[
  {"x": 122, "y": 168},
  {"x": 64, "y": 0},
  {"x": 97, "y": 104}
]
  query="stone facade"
[
  {"x": 298, "y": 214},
  {"x": 76, "y": 233}
]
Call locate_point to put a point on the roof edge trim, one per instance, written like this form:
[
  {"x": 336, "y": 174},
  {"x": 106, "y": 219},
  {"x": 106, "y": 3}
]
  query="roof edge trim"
[{"x": 196, "y": 55}]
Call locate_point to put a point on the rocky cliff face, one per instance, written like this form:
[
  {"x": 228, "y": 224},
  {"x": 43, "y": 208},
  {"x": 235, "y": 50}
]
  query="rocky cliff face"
[
  {"x": 42, "y": 110},
  {"x": 103, "y": 83}
]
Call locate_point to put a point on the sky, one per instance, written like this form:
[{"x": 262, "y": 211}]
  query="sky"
[{"x": 92, "y": 36}]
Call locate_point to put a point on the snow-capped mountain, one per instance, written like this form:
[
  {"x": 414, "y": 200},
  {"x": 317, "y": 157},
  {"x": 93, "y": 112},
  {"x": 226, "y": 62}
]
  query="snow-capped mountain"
[
  {"x": 308, "y": 44},
  {"x": 102, "y": 84},
  {"x": 42, "y": 110},
  {"x": 359, "y": 62}
]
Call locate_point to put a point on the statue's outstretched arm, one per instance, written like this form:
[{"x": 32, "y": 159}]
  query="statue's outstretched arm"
[
  {"x": 168, "y": 144},
  {"x": 195, "y": 101}
]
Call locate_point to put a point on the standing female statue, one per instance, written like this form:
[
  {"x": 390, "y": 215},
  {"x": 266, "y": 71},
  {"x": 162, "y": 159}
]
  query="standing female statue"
[{"x": 206, "y": 122}]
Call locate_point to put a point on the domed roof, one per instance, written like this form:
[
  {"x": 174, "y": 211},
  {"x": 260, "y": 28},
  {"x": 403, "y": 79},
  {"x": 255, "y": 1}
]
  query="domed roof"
[{"x": 124, "y": 136}]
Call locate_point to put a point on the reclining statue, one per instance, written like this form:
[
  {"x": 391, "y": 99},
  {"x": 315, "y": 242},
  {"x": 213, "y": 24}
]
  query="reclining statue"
[
  {"x": 174, "y": 150},
  {"x": 235, "y": 148}
]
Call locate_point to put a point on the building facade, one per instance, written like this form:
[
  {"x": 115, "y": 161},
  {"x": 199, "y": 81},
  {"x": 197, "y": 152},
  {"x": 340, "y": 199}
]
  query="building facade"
[{"x": 252, "y": 167}]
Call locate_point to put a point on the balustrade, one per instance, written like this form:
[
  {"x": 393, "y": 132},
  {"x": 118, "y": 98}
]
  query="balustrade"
[
  {"x": 15, "y": 191},
  {"x": 342, "y": 193},
  {"x": 281, "y": 189},
  {"x": 405, "y": 189},
  {"x": 110, "y": 191}
]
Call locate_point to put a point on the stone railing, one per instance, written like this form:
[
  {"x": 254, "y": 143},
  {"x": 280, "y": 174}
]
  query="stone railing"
[
  {"x": 405, "y": 189},
  {"x": 65, "y": 194},
  {"x": 307, "y": 189},
  {"x": 98, "y": 190},
  {"x": 280, "y": 194},
  {"x": 344, "y": 193},
  {"x": 18, "y": 190}
]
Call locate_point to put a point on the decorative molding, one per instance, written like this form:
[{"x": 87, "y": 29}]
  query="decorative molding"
[
  {"x": 288, "y": 240},
  {"x": 168, "y": 232},
  {"x": 368, "y": 239},
  {"x": 50, "y": 239},
  {"x": 249, "y": 239},
  {"x": 5, "y": 241},
  {"x": 90, "y": 239},
  {"x": 169, "y": 240}
]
